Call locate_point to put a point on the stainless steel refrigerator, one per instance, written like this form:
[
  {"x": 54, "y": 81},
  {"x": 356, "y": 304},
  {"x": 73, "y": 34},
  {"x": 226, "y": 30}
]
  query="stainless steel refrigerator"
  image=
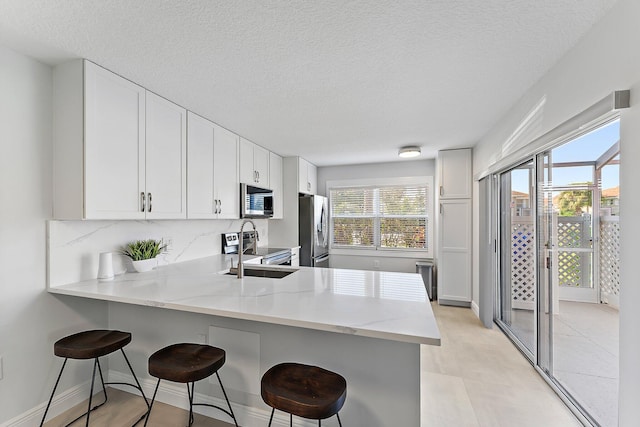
[{"x": 313, "y": 227}]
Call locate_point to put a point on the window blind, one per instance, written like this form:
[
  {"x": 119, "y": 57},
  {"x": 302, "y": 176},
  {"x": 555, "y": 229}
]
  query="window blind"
[{"x": 394, "y": 216}]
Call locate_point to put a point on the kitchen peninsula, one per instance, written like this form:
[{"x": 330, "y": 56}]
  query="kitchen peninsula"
[{"x": 365, "y": 325}]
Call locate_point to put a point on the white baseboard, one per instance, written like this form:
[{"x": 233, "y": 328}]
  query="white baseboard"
[
  {"x": 175, "y": 394},
  {"x": 170, "y": 393},
  {"x": 61, "y": 402},
  {"x": 475, "y": 309}
]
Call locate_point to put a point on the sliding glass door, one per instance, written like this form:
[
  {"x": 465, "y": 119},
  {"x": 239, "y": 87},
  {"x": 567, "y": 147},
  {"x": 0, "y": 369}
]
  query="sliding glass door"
[
  {"x": 516, "y": 253},
  {"x": 558, "y": 266}
]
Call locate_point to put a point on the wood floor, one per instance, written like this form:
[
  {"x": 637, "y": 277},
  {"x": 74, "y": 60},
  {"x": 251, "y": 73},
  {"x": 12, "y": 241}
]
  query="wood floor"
[
  {"x": 477, "y": 378},
  {"x": 124, "y": 409}
]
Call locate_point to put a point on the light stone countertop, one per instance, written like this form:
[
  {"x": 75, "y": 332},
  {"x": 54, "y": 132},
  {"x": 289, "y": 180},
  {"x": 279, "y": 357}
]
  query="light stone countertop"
[{"x": 386, "y": 305}]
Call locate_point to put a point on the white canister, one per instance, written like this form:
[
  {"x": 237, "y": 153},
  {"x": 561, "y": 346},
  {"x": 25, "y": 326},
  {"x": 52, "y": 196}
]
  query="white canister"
[{"x": 105, "y": 266}]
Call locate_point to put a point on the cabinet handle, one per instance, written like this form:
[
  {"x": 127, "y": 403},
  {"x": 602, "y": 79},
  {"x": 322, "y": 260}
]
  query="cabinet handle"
[
  {"x": 219, "y": 206},
  {"x": 308, "y": 186},
  {"x": 142, "y": 202},
  {"x": 258, "y": 175},
  {"x": 215, "y": 206},
  {"x": 441, "y": 209},
  {"x": 150, "y": 205},
  {"x": 441, "y": 191}
]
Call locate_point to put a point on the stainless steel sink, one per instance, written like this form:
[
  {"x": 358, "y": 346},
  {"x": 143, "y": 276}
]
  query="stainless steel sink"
[{"x": 263, "y": 271}]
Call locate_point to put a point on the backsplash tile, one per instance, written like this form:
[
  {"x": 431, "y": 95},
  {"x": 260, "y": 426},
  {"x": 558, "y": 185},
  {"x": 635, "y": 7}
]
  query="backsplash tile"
[{"x": 74, "y": 246}]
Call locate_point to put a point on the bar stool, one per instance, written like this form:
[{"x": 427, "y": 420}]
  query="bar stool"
[
  {"x": 93, "y": 345},
  {"x": 188, "y": 363},
  {"x": 306, "y": 391}
]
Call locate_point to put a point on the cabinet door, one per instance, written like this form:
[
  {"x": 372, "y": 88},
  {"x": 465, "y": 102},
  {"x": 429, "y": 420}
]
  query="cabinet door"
[
  {"x": 225, "y": 172},
  {"x": 312, "y": 178},
  {"x": 454, "y": 167},
  {"x": 303, "y": 181},
  {"x": 454, "y": 255},
  {"x": 114, "y": 146},
  {"x": 166, "y": 159},
  {"x": 200, "y": 158},
  {"x": 275, "y": 181},
  {"x": 261, "y": 166},
  {"x": 247, "y": 172}
]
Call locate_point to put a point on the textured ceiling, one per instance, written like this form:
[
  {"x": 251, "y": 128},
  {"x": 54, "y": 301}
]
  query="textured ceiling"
[{"x": 335, "y": 81}]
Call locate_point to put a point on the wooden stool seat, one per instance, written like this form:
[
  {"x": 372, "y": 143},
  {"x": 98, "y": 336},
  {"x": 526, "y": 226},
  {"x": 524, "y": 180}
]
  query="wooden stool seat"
[
  {"x": 307, "y": 391},
  {"x": 186, "y": 363},
  {"x": 91, "y": 344}
]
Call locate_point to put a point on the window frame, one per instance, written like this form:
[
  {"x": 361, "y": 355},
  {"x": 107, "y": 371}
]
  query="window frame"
[{"x": 377, "y": 250}]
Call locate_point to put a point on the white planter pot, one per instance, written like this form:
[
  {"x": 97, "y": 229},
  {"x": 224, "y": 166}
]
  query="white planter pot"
[{"x": 145, "y": 265}]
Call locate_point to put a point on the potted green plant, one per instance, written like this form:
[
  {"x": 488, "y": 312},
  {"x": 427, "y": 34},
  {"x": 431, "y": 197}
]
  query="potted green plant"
[{"x": 143, "y": 253}]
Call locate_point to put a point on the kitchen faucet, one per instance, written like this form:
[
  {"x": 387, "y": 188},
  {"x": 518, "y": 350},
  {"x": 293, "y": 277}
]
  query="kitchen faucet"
[{"x": 241, "y": 248}]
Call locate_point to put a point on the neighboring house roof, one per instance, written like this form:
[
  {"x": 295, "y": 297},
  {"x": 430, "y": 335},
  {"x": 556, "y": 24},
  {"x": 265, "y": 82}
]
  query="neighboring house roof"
[
  {"x": 611, "y": 193},
  {"x": 519, "y": 195}
]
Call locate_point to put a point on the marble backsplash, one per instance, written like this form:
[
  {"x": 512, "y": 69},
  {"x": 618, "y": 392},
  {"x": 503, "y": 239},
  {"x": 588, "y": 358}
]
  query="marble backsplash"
[{"x": 73, "y": 247}]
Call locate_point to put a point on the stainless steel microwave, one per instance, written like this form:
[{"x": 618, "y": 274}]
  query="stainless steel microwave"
[{"x": 255, "y": 202}]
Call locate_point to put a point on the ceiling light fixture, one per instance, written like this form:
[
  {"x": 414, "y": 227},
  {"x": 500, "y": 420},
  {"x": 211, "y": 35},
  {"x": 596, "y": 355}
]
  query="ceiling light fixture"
[{"x": 409, "y": 151}]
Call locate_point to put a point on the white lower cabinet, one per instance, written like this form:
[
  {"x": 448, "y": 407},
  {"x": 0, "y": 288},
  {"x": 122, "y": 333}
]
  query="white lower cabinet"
[
  {"x": 212, "y": 174},
  {"x": 454, "y": 253}
]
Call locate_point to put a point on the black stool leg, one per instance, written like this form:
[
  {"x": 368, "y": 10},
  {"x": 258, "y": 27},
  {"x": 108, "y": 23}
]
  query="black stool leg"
[
  {"x": 227, "y": 399},
  {"x": 104, "y": 389},
  {"x": 93, "y": 380},
  {"x": 135, "y": 378},
  {"x": 271, "y": 418},
  {"x": 53, "y": 392},
  {"x": 191, "y": 393},
  {"x": 290, "y": 420},
  {"x": 339, "y": 422},
  {"x": 151, "y": 405}
]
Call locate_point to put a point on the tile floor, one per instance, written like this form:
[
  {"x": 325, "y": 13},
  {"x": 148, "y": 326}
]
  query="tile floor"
[
  {"x": 585, "y": 354},
  {"x": 586, "y": 357},
  {"x": 478, "y": 378},
  {"x": 475, "y": 378}
]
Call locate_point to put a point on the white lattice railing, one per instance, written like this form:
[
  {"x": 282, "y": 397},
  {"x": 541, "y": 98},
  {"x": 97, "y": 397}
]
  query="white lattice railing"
[
  {"x": 610, "y": 259},
  {"x": 574, "y": 251},
  {"x": 523, "y": 272},
  {"x": 573, "y": 266}
]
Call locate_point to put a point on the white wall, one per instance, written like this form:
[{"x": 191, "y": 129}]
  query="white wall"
[
  {"x": 31, "y": 320},
  {"x": 404, "y": 263},
  {"x": 425, "y": 167},
  {"x": 606, "y": 59}
]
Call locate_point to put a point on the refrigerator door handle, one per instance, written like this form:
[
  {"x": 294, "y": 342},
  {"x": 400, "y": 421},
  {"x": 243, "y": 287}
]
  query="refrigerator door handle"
[{"x": 322, "y": 258}]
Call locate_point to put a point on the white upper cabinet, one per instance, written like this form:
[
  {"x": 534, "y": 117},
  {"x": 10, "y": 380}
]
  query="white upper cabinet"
[
  {"x": 114, "y": 145},
  {"x": 275, "y": 179},
  {"x": 254, "y": 164},
  {"x": 212, "y": 182},
  {"x": 225, "y": 173},
  {"x": 166, "y": 159},
  {"x": 454, "y": 172},
  {"x": 307, "y": 177},
  {"x": 119, "y": 150}
]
